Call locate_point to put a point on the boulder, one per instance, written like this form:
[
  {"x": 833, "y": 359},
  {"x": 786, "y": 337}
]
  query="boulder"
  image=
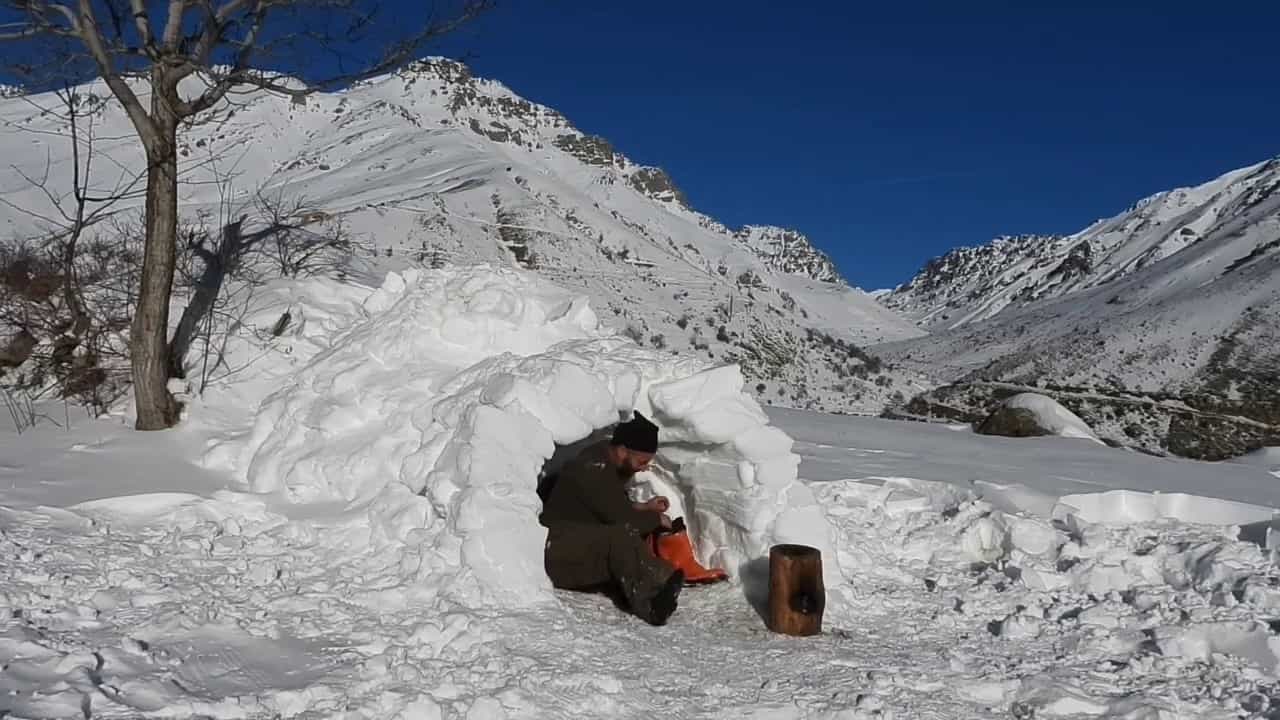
[{"x": 1033, "y": 415}]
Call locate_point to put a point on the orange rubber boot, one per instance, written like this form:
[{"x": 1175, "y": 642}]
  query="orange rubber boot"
[{"x": 677, "y": 549}]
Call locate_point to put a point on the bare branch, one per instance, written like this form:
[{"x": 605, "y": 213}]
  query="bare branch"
[
  {"x": 144, "y": 24},
  {"x": 91, "y": 34},
  {"x": 173, "y": 28},
  {"x": 214, "y": 94},
  {"x": 241, "y": 75},
  {"x": 407, "y": 49},
  {"x": 21, "y": 34}
]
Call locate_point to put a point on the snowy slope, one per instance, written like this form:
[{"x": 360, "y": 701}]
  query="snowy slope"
[
  {"x": 434, "y": 166},
  {"x": 1176, "y": 301}
]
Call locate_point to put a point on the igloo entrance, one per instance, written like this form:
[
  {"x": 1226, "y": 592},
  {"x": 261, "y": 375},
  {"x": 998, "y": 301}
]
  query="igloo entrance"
[
  {"x": 730, "y": 499},
  {"x": 658, "y": 480}
]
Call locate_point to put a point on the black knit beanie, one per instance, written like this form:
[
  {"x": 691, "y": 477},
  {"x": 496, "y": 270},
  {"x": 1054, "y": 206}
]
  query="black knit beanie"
[{"x": 637, "y": 434}]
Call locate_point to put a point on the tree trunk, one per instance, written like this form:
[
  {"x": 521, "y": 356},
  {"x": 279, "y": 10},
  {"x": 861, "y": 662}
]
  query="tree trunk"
[
  {"x": 797, "y": 596},
  {"x": 149, "y": 344}
]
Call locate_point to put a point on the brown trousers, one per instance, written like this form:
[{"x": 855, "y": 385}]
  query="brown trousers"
[{"x": 588, "y": 557}]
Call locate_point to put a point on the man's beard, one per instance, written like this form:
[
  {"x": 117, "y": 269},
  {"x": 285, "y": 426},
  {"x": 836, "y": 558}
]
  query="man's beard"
[{"x": 625, "y": 472}]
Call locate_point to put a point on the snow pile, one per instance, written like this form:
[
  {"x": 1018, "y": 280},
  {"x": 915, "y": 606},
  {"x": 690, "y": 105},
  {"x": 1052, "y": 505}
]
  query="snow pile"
[
  {"x": 430, "y": 414},
  {"x": 1128, "y": 506},
  {"x": 1160, "y": 596}
]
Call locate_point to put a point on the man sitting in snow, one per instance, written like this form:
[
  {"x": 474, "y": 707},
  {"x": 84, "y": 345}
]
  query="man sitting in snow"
[{"x": 596, "y": 535}]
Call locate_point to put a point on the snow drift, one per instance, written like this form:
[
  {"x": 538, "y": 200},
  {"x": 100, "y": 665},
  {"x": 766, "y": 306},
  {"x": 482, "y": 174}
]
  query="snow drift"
[{"x": 430, "y": 414}]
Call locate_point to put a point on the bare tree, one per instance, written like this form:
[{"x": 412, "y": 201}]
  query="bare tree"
[
  {"x": 265, "y": 237},
  {"x": 85, "y": 205},
  {"x": 300, "y": 240},
  {"x": 46, "y": 282},
  {"x": 134, "y": 44}
]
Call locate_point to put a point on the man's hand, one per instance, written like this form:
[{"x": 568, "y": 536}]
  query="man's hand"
[
  {"x": 664, "y": 521},
  {"x": 658, "y": 504}
]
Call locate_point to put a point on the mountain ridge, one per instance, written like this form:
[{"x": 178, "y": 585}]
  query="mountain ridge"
[
  {"x": 435, "y": 165},
  {"x": 1176, "y": 300}
]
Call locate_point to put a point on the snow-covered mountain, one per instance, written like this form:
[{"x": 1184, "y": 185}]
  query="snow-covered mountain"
[
  {"x": 435, "y": 166},
  {"x": 1161, "y": 323},
  {"x": 975, "y": 283}
]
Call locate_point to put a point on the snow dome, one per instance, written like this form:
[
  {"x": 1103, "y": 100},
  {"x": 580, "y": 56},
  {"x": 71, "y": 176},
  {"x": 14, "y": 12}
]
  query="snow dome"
[{"x": 430, "y": 416}]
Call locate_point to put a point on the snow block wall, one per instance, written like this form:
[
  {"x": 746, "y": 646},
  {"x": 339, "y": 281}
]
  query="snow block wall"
[{"x": 431, "y": 413}]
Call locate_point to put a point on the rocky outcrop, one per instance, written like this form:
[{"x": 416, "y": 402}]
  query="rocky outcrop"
[
  {"x": 590, "y": 149},
  {"x": 968, "y": 274},
  {"x": 656, "y": 184},
  {"x": 789, "y": 251},
  {"x": 1012, "y": 422}
]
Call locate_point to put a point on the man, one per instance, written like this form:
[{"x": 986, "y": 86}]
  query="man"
[{"x": 595, "y": 534}]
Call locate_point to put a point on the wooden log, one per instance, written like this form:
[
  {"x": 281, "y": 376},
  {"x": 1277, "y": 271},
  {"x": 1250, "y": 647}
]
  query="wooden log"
[{"x": 797, "y": 596}]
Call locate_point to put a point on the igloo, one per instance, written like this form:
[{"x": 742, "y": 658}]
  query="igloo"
[{"x": 432, "y": 408}]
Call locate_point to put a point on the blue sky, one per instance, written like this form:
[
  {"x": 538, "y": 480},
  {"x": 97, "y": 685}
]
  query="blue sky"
[{"x": 890, "y": 133}]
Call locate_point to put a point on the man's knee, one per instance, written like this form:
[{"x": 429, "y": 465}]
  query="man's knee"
[{"x": 621, "y": 536}]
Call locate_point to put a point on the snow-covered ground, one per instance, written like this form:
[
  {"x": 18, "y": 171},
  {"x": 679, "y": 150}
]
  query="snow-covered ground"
[{"x": 343, "y": 526}]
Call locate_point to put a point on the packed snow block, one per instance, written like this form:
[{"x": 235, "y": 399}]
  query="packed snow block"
[
  {"x": 681, "y": 398},
  {"x": 626, "y": 388},
  {"x": 1131, "y": 506},
  {"x": 720, "y": 423},
  {"x": 803, "y": 522},
  {"x": 583, "y": 393},
  {"x": 1035, "y": 537},
  {"x": 778, "y": 472},
  {"x": 712, "y": 487},
  {"x": 500, "y": 545},
  {"x": 762, "y": 442},
  {"x": 1034, "y": 415},
  {"x": 986, "y": 539},
  {"x": 562, "y": 422},
  {"x": 737, "y": 509}
]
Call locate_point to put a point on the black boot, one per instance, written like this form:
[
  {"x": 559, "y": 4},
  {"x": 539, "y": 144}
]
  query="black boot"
[{"x": 664, "y": 603}]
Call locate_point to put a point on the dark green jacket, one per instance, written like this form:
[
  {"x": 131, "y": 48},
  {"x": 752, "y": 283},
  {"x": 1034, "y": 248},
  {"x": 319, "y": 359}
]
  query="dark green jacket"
[{"x": 588, "y": 491}]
